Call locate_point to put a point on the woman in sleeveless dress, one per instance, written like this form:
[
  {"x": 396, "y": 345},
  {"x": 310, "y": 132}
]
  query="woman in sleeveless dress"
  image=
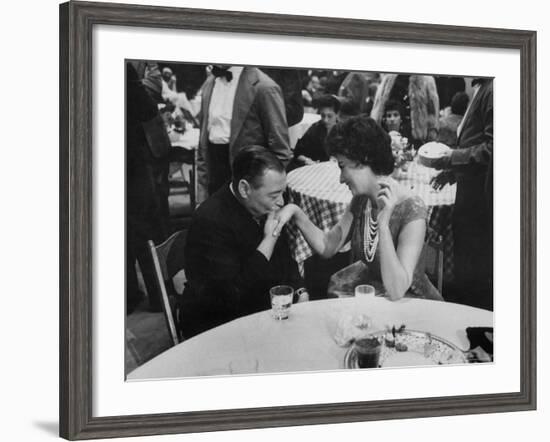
[{"x": 385, "y": 223}]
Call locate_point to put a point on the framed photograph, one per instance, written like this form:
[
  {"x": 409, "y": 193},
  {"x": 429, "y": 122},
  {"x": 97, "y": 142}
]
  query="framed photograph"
[{"x": 178, "y": 252}]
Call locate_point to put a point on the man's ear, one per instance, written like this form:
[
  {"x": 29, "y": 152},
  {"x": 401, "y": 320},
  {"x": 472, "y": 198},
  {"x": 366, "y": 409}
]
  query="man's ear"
[{"x": 243, "y": 188}]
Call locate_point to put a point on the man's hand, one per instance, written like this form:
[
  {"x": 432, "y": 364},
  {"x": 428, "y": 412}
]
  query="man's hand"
[
  {"x": 271, "y": 224},
  {"x": 283, "y": 216},
  {"x": 442, "y": 179},
  {"x": 267, "y": 245}
]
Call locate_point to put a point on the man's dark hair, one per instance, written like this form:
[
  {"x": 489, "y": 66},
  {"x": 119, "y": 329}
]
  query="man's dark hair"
[
  {"x": 327, "y": 100},
  {"x": 394, "y": 105},
  {"x": 363, "y": 140},
  {"x": 251, "y": 164},
  {"x": 459, "y": 103}
]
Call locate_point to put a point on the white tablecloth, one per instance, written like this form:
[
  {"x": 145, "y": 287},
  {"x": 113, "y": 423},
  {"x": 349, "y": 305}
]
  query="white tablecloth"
[
  {"x": 304, "y": 342},
  {"x": 188, "y": 140}
]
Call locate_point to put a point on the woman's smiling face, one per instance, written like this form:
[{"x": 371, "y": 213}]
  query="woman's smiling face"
[{"x": 358, "y": 177}]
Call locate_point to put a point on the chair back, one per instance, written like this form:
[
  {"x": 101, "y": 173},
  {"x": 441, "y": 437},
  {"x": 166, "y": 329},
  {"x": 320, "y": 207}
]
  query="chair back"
[
  {"x": 159, "y": 255},
  {"x": 181, "y": 157}
]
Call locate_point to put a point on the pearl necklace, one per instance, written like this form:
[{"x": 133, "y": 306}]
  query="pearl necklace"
[{"x": 370, "y": 235}]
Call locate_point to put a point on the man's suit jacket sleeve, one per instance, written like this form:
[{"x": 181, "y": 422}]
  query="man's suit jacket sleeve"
[
  {"x": 201, "y": 160},
  {"x": 481, "y": 152},
  {"x": 201, "y": 167},
  {"x": 295, "y": 279},
  {"x": 305, "y": 145},
  {"x": 228, "y": 273},
  {"x": 273, "y": 118}
]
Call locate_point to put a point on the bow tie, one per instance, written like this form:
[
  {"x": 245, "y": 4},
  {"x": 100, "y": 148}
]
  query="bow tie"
[{"x": 221, "y": 72}]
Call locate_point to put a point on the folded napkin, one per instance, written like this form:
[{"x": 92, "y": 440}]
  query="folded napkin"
[{"x": 351, "y": 327}]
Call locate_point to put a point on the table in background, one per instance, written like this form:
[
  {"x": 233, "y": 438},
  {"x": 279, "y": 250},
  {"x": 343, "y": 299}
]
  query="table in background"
[
  {"x": 188, "y": 140},
  {"x": 304, "y": 341},
  {"x": 318, "y": 191}
]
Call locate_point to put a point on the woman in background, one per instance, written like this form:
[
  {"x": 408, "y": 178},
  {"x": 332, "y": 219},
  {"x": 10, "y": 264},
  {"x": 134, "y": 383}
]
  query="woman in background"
[
  {"x": 311, "y": 148},
  {"x": 418, "y": 96}
]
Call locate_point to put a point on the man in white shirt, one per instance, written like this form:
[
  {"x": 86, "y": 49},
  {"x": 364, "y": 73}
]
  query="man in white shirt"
[{"x": 240, "y": 107}]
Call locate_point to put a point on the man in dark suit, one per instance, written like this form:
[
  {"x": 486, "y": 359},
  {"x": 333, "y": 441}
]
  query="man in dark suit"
[
  {"x": 147, "y": 203},
  {"x": 232, "y": 256},
  {"x": 240, "y": 107},
  {"x": 290, "y": 81},
  {"x": 471, "y": 165}
]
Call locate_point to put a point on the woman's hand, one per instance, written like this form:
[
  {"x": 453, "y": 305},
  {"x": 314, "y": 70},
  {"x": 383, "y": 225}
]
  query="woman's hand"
[
  {"x": 386, "y": 199},
  {"x": 283, "y": 216}
]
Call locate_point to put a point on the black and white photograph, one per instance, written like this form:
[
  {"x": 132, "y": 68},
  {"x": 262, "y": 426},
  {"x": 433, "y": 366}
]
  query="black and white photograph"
[
  {"x": 275, "y": 216},
  {"x": 284, "y": 220}
]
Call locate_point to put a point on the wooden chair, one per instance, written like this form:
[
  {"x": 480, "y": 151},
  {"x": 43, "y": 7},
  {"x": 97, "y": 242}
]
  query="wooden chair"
[
  {"x": 182, "y": 157},
  {"x": 434, "y": 258},
  {"x": 159, "y": 255}
]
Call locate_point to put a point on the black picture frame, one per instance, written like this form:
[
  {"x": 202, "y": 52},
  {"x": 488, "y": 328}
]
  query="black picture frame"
[{"x": 76, "y": 165}]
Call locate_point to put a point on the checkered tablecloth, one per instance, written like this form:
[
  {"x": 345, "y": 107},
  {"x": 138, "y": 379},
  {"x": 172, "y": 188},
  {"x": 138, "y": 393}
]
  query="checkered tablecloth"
[
  {"x": 417, "y": 178},
  {"x": 317, "y": 190}
]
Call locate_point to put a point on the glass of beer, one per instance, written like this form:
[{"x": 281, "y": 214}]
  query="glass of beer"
[{"x": 281, "y": 300}]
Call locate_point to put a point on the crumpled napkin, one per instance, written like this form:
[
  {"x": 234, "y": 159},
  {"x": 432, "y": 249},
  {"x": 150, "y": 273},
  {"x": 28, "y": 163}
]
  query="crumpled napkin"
[{"x": 351, "y": 327}]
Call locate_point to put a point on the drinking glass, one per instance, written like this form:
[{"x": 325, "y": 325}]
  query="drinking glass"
[
  {"x": 368, "y": 351},
  {"x": 364, "y": 290},
  {"x": 281, "y": 300}
]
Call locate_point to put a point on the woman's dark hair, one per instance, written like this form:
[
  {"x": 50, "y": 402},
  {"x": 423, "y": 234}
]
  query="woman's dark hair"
[
  {"x": 251, "y": 164},
  {"x": 361, "y": 139},
  {"x": 394, "y": 105}
]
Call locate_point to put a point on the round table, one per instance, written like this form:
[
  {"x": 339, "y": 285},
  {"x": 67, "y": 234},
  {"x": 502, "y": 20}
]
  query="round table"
[{"x": 304, "y": 342}]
